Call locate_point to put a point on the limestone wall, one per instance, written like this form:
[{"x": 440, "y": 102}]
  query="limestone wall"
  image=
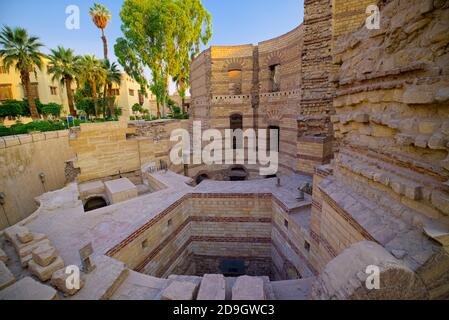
[
  {"x": 316, "y": 65},
  {"x": 22, "y": 159},
  {"x": 214, "y": 99},
  {"x": 389, "y": 180},
  {"x": 110, "y": 149},
  {"x": 198, "y": 232}
]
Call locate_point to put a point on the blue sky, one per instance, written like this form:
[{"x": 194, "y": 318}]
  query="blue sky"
[{"x": 234, "y": 21}]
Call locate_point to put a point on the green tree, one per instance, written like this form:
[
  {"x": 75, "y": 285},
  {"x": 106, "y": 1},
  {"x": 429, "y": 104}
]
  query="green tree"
[
  {"x": 23, "y": 51},
  {"x": 113, "y": 76},
  {"x": 101, "y": 17},
  {"x": 128, "y": 59},
  {"x": 91, "y": 71},
  {"x": 63, "y": 66},
  {"x": 164, "y": 35}
]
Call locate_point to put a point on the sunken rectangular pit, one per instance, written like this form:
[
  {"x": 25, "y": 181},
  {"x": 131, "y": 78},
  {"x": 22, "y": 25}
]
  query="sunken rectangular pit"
[{"x": 229, "y": 234}]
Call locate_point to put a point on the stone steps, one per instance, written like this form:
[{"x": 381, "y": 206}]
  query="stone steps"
[
  {"x": 138, "y": 286},
  {"x": 398, "y": 233},
  {"x": 104, "y": 281},
  {"x": 293, "y": 289}
]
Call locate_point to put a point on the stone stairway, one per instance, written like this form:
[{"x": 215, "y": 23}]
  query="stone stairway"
[
  {"x": 103, "y": 282},
  {"x": 41, "y": 277},
  {"x": 293, "y": 289},
  {"x": 216, "y": 287}
]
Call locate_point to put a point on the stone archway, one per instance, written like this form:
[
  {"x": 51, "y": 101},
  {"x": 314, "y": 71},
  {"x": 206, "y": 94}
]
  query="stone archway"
[
  {"x": 238, "y": 173},
  {"x": 201, "y": 177},
  {"x": 94, "y": 203}
]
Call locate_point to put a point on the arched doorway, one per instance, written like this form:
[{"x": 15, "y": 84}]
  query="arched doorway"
[
  {"x": 95, "y": 203},
  {"x": 201, "y": 178},
  {"x": 238, "y": 173}
]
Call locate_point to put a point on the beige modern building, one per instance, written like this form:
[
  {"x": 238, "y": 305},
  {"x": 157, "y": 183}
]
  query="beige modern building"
[{"x": 48, "y": 90}]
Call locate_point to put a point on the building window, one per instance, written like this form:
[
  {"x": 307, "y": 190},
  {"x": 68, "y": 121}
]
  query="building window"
[
  {"x": 131, "y": 92},
  {"x": 54, "y": 91},
  {"x": 141, "y": 98},
  {"x": 235, "y": 82},
  {"x": 34, "y": 90},
  {"x": 286, "y": 224},
  {"x": 115, "y": 92},
  {"x": 275, "y": 78},
  {"x": 236, "y": 123},
  {"x": 170, "y": 223},
  {"x": 3, "y": 70},
  {"x": 271, "y": 147},
  {"x": 307, "y": 246},
  {"x": 5, "y": 92},
  {"x": 145, "y": 244}
]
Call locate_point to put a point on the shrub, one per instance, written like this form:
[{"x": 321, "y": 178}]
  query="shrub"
[
  {"x": 37, "y": 126},
  {"x": 118, "y": 111},
  {"x": 52, "y": 109},
  {"x": 13, "y": 108},
  {"x": 137, "y": 108}
]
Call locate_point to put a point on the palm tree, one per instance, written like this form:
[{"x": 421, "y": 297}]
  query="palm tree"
[
  {"x": 113, "y": 76},
  {"x": 101, "y": 16},
  {"x": 23, "y": 51},
  {"x": 63, "y": 67},
  {"x": 181, "y": 87},
  {"x": 91, "y": 71}
]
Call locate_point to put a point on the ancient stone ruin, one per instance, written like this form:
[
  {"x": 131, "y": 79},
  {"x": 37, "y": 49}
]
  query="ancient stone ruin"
[{"x": 362, "y": 188}]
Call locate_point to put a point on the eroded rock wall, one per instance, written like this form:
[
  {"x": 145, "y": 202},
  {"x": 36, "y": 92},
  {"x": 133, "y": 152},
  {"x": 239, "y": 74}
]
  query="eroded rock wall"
[{"x": 389, "y": 182}]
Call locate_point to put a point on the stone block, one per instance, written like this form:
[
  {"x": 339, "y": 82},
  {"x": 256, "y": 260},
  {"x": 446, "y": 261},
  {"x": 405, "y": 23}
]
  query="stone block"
[
  {"x": 26, "y": 250},
  {"x": 362, "y": 118},
  {"x": 437, "y": 142},
  {"x": 421, "y": 141},
  {"x": 441, "y": 201},
  {"x": 213, "y": 287},
  {"x": 44, "y": 255},
  {"x": 59, "y": 281},
  {"x": 120, "y": 190},
  {"x": 24, "y": 235},
  {"x": 180, "y": 290},
  {"x": 419, "y": 95},
  {"x": 442, "y": 95},
  {"x": 45, "y": 273},
  {"x": 28, "y": 289},
  {"x": 414, "y": 192},
  {"x": 11, "y": 141},
  {"x": 11, "y": 233},
  {"x": 404, "y": 139},
  {"x": 6, "y": 277},
  {"x": 248, "y": 288},
  {"x": 24, "y": 260},
  {"x": 427, "y": 126},
  {"x": 91, "y": 188},
  {"x": 3, "y": 256}
]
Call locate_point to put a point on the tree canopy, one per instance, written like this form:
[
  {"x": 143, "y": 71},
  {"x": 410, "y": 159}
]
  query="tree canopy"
[{"x": 164, "y": 36}]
